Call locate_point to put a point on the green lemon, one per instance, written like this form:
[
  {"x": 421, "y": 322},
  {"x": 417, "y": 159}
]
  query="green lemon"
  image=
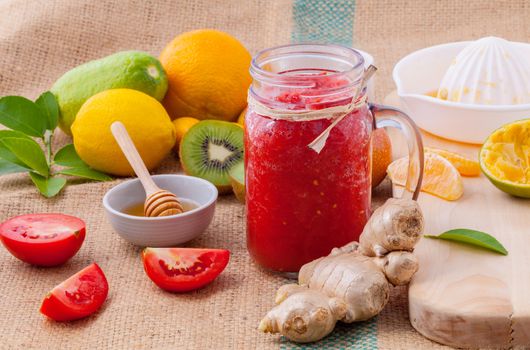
[{"x": 127, "y": 69}]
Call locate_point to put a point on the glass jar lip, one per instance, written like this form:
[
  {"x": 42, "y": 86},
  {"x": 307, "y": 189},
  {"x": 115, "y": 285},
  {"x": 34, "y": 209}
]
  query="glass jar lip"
[{"x": 259, "y": 73}]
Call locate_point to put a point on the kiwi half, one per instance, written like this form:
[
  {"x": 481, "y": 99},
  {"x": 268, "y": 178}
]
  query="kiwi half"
[
  {"x": 210, "y": 149},
  {"x": 237, "y": 179}
]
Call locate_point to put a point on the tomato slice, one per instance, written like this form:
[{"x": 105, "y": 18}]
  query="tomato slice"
[
  {"x": 184, "y": 269},
  {"x": 79, "y": 296},
  {"x": 43, "y": 239}
]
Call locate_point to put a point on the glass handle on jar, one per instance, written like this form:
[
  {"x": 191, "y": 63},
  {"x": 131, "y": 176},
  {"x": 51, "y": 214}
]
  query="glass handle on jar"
[{"x": 391, "y": 117}]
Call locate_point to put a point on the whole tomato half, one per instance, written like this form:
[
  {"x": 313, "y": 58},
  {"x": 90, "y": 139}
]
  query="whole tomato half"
[
  {"x": 43, "y": 239},
  {"x": 77, "y": 297},
  {"x": 183, "y": 269}
]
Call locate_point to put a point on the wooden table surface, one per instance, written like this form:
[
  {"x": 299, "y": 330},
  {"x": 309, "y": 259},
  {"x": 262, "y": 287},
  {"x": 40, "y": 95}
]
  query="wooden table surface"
[{"x": 463, "y": 296}]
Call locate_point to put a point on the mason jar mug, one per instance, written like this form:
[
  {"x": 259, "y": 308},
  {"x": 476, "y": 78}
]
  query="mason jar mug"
[{"x": 308, "y": 134}]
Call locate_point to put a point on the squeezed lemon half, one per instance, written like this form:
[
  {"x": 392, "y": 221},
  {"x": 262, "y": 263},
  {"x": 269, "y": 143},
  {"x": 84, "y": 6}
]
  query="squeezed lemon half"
[{"x": 505, "y": 158}]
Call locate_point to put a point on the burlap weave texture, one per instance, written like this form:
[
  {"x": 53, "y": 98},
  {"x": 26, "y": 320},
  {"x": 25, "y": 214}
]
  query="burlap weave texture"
[{"x": 40, "y": 40}]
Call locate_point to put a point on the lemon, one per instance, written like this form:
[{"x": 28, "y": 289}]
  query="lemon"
[
  {"x": 145, "y": 119},
  {"x": 505, "y": 158},
  {"x": 182, "y": 125},
  {"x": 208, "y": 74}
]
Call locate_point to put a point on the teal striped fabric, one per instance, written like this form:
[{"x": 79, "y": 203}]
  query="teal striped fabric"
[
  {"x": 358, "y": 336},
  {"x": 331, "y": 21},
  {"x": 324, "y": 21}
]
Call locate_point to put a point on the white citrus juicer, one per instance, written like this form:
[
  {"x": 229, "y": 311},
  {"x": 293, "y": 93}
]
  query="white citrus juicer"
[{"x": 482, "y": 85}]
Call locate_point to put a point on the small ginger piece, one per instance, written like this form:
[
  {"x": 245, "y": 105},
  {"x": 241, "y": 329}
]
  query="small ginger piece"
[
  {"x": 308, "y": 315},
  {"x": 398, "y": 266},
  {"x": 353, "y": 282}
]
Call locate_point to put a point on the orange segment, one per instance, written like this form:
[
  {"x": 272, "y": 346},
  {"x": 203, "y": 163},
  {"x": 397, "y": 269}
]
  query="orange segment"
[
  {"x": 440, "y": 177},
  {"x": 465, "y": 166}
]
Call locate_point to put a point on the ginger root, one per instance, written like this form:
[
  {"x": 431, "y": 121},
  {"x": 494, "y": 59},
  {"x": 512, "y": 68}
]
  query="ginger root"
[
  {"x": 396, "y": 225},
  {"x": 353, "y": 282}
]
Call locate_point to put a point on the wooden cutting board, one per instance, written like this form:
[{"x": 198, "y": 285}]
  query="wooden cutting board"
[{"x": 466, "y": 297}]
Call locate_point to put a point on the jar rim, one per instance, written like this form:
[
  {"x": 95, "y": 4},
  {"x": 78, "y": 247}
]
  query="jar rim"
[{"x": 350, "y": 56}]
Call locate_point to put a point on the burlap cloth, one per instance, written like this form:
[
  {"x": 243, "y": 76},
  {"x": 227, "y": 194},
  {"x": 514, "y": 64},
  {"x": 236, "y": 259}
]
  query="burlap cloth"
[{"x": 39, "y": 40}]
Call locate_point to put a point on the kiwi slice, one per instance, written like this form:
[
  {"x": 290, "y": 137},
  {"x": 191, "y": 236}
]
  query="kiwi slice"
[
  {"x": 237, "y": 179},
  {"x": 210, "y": 149}
]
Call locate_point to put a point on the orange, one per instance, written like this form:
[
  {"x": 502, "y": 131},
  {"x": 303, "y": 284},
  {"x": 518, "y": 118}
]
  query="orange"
[
  {"x": 440, "y": 177},
  {"x": 208, "y": 75},
  {"x": 182, "y": 125},
  {"x": 381, "y": 155},
  {"x": 241, "y": 118},
  {"x": 465, "y": 166}
]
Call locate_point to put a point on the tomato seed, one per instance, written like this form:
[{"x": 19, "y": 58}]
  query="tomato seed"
[{"x": 192, "y": 270}]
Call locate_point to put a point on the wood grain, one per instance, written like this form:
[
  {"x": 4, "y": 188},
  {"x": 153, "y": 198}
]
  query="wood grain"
[{"x": 463, "y": 296}]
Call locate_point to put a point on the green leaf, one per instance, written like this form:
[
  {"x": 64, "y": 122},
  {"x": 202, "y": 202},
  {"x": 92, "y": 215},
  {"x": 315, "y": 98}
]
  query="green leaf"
[
  {"x": 10, "y": 168},
  {"x": 6, "y": 154},
  {"x": 48, "y": 187},
  {"x": 12, "y": 133},
  {"x": 20, "y": 114},
  {"x": 67, "y": 156},
  {"x": 476, "y": 238},
  {"x": 85, "y": 172},
  {"x": 28, "y": 152},
  {"x": 49, "y": 107}
]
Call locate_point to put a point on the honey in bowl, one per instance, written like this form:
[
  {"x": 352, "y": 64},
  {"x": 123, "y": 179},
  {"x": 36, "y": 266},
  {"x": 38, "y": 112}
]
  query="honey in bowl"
[{"x": 137, "y": 209}]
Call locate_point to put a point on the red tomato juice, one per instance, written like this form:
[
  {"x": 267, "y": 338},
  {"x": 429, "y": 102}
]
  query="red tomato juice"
[{"x": 301, "y": 204}]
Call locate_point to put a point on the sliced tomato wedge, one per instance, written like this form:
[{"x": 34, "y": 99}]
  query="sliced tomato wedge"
[
  {"x": 184, "y": 269},
  {"x": 77, "y": 297},
  {"x": 43, "y": 239}
]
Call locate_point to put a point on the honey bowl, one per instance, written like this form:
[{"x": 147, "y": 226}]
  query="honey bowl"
[
  {"x": 122, "y": 205},
  {"x": 420, "y": 73}
]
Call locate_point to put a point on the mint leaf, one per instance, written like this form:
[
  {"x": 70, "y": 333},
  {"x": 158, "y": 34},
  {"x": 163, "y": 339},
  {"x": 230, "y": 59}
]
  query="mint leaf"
[
  {"x": 85, "y": 172},
  {"x": 67, "y": 156},
  {"x": 27, "y": 152},
  {"x": 48, "y": 187},
  {"x": 10, "y": 168},
  {"x": 50, "y": 109},
  {"x": 20, "y": 114},
  {"x": 476, "y": 238}
]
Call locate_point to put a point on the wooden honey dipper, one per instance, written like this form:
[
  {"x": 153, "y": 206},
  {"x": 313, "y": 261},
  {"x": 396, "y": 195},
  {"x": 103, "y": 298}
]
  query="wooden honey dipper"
[{"x": 158, "y": 202}]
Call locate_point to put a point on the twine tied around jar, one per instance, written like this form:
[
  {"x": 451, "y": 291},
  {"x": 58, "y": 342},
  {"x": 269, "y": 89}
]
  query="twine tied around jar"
[{"x": 336, "y": 113}]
